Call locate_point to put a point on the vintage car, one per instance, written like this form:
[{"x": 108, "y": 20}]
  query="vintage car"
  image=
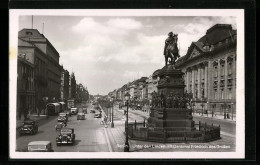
[
  {"x": 81, "y": 116},
  {"x": 40, "y": 146},
  {"x": 68, "y": 113},
  {"x": 62, "y": 119},
  {"x": 97, "y": 115},
  {"x": 60, "y": 125},
  {"x": 74, "y": 111},
  {"x": 29, "y": 127},
  {"x": 84, "y": 110},
  {"x": 92, "y": 111},
  {"x": 63, "y": 114},
  {"x": 66, "y": 136}
]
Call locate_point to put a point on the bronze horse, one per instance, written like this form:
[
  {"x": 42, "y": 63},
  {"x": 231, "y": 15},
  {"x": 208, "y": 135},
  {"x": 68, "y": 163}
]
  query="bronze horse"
[{"x": 171, "y": 49}]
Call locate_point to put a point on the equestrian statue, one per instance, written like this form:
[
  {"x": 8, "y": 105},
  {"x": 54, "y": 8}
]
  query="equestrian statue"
[{"x": 170, "y": 49}]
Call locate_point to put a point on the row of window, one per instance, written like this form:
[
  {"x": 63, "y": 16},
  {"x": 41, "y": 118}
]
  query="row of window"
[
  {"x": 222, "y": 69},
  {"x": 25, "y": 77},
  {"x": 222, "y": 94}
]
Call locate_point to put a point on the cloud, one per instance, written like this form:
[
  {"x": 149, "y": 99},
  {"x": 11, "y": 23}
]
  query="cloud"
[
  {"x": 197, "y": 28},
  {"x": 124, "y": 23}
]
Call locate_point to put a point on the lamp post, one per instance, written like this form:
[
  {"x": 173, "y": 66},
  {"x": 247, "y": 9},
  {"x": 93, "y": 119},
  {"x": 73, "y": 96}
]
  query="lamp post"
[
  {"x": 207, "y": 108},
  {"x": 112, "y": 123},
  {"x": 232, "y": 110},
  {"x": 126, "y": 148},
  {"x": 193, "y": 105}
]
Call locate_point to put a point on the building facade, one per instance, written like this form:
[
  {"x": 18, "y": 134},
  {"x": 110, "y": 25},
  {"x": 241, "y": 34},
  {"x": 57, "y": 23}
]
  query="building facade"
[
  {"x": 210, "y": 70},
  {"x": 25, "y": 85},
  {"x": 47, "y": 62}
]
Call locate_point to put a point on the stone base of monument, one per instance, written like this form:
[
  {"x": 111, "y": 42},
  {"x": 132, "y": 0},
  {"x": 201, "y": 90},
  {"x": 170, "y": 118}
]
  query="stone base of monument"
[
  {"x": 173, "y": 134},
  {"x": 168, "y": 122}
]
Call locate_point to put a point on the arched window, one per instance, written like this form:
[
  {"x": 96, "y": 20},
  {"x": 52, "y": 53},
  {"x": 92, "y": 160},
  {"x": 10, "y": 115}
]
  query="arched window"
[
  {"x": 216, "y": 71},
  {"x": 229, "y": 68}
]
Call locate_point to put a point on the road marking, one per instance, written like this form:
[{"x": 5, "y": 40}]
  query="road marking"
[{"x": 108, "y": 141}]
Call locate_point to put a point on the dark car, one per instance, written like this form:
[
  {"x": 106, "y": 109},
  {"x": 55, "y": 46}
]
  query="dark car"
[
  {"x": 62, "y": 119},
  {"x": 68, "y": 113},
  {"x": 29, "y": 127},
  {"x": 84, "y": 110},
  {"x": 81, "y": 116},
  {"x": 92, "y": 111},
  {"x": 66, "y": 136},
  {"x": 98, "y": 115},
  {"x": 59, "y": 126},
  {"x": 63, "y": 114}
]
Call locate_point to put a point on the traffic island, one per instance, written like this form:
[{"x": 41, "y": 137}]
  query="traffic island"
[{"x": 171, "y": 117}]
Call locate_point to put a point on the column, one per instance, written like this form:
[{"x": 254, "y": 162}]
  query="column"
[
  {"x": 199, "y": 81},
  {"x": 187, "y": 80},
  {"x": 193, "y": 82},
  {"x": 234, "y": 76},
  {"x": 206, "y": 79},
  {"x": 226, "y": 79},
  {"x": 209, "y": 83},
  {"x": 219, "y": 78}
]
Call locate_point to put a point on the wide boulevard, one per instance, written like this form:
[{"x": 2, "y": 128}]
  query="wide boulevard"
[{"x": 91, "y": 136}]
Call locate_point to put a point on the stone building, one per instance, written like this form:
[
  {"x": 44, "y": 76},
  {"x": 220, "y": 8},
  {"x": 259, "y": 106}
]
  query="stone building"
[
  {"x": 47, "y": 62},
  {"x": 210, "y": 70},
  {"x": 37, "y": 59},
  {"x": 25, "y": 84},
  {"x": 73, "y": 86}
]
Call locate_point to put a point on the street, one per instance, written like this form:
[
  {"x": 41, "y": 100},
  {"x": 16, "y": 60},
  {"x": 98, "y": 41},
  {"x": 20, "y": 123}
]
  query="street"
[
  {"x": 93, "y": 137},
  {"x": 90, "y": 135}
]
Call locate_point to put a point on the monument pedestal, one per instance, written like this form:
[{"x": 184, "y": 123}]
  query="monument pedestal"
[{"x": 170, "y": 120}]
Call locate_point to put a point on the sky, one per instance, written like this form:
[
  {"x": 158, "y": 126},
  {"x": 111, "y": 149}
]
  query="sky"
[{"x": 107, "y": 52}]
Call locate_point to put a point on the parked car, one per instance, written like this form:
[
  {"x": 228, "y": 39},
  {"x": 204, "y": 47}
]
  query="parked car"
[
  {"x": 60, "y": 125},
  {"x": 97, "y": 115},
  {"x": 40, "y": 146},
  {"x": 92, "y": 111},
  {"x": 74, "y": 111},
  {"x": 62, "y": 119},
  {"x": 29, "y": 127},
  {"x": 66, "y": 136},
  {"x": 81, "y": 116}
]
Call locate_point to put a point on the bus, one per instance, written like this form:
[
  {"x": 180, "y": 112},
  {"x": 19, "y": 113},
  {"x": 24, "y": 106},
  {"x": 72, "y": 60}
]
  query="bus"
[
  {"x": 53, "y": 108},
  {"x": 62, "y": 106}
]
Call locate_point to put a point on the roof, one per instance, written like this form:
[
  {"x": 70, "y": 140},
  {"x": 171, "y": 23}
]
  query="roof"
[
  {"x": 217, "y": 33},
  {"x": 61, "y": 102},
  {"x": 67, "y": 128},
  {"x": 39, "y": 143}
]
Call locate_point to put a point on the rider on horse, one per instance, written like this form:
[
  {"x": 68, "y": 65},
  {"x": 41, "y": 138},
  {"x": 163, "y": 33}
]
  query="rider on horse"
[{"x": 170, "y": 48}]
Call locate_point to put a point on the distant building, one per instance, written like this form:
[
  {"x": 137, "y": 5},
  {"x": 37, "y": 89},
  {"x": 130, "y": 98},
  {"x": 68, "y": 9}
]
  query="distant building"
[
  {"x": 210, "y": 69},
  {"x": 73, "y": 86}
]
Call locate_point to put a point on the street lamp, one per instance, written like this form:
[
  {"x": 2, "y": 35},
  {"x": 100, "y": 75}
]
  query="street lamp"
[
  {"x": 207, "y": 108},
  {"x": 112, "y": 123},
  {"x": 126, "y": 148},
  {"x": 232, "y": 110}
]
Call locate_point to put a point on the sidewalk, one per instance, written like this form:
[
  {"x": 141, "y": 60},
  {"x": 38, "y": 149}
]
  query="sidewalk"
[
  {"x": 19, "y": 123},
  {"x": 215, "y": 117}
]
